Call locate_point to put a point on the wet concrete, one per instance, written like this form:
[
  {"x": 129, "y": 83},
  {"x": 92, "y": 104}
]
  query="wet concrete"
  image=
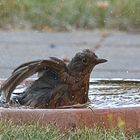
[{"x": 121, "y": 49}]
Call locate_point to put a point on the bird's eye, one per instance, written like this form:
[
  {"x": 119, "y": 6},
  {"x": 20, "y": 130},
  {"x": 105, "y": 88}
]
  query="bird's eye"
[{"x": 84, "y": 61}]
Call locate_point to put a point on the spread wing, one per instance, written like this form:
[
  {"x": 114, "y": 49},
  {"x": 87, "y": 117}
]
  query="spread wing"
[{"x": 28, "y": 69}]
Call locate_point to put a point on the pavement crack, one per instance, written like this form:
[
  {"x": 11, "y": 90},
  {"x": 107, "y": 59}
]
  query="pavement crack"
[{"x": 104, "y": 35}]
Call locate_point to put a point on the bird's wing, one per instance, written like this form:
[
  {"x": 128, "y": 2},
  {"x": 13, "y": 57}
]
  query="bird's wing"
[
  {"x": 25, "y": 65},
  {"x": 51, "y": 61},
  {"x": 60, "y": 96},
  {"x": 28, "y": 69}
]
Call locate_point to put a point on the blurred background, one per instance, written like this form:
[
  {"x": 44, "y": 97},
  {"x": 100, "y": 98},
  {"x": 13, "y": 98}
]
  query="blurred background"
[
  {"x": 64, "y": 15},
  {"x": 37, "y": 29}
]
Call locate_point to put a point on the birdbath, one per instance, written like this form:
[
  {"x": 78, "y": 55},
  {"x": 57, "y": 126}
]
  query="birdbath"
[{"x": 113, "y": 103}]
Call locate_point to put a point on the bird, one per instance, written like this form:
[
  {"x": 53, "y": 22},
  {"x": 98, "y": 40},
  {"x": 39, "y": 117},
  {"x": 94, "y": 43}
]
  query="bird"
[{"x": 58, "y": 84}]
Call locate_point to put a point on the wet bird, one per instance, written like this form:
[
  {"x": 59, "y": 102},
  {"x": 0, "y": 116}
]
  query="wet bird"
[{"x": 59, "y": 84}]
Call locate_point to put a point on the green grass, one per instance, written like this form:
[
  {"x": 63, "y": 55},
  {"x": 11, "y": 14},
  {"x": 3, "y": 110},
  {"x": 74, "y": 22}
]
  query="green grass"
[
  {"x": 70, "y": 14},
  {"x": 10, "y": 131}
]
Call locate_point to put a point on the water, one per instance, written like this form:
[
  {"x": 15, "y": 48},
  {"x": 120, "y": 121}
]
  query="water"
[
  {"x": 109, "y": 93},
  {"x": 114, "y": 93}
]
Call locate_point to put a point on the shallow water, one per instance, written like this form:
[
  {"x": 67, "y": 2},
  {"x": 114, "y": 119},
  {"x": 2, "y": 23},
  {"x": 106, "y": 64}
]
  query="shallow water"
[
  {"x": 109, "y": 93},
  {"x": 115, "y": 93}
]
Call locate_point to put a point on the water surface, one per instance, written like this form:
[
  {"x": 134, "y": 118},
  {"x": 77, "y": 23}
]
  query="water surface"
[
  {"x": 114, "y": 93},
  {"x": 107, "y": 93}
]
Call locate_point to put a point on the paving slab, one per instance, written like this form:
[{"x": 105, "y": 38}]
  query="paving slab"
[
  {"x": 128, "y": 39},
  {"x": 120, "y": 48},
  {"x": 122, "y": 51},
  {"x": 19, "y": 47}
]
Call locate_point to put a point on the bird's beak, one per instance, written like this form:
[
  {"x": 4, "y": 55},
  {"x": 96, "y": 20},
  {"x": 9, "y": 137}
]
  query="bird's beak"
[{"x": 98, "y": 60}]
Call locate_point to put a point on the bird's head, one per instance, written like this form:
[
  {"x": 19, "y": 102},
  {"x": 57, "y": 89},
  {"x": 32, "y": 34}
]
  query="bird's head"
[{"x": 83, "y": 62}]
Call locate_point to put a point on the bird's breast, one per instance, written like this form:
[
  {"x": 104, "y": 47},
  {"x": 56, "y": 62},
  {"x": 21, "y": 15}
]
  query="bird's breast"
[{"x": 77, "y": 88}]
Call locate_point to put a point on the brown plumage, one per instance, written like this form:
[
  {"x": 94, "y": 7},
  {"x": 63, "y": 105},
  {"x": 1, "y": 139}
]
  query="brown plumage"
[{"x": 58, "y": 84}]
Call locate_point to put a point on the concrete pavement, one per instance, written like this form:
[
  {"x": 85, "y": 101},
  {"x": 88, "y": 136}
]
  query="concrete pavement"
[{"x": 121, "y": 49}]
